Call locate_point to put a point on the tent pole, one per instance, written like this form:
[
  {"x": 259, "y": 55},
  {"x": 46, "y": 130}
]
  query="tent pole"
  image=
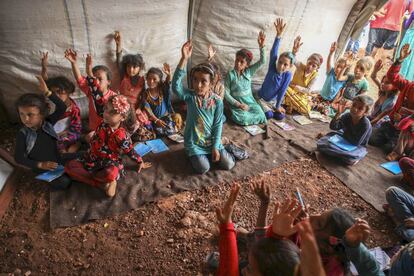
[{"x": 190, "y": 26}]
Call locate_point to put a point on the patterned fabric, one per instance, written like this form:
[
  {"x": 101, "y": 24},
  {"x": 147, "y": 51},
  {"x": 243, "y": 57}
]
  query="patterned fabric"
[
  {"x": 132, "y": 91},
  {"x": 72, "y": 135},
  {"x": 106, "y": 148}
]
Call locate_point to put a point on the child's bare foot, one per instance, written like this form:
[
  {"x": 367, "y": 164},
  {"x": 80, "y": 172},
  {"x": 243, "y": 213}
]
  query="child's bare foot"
[
  {"x": 110, "y": 188},
  {"x": 392, "y": 156}
]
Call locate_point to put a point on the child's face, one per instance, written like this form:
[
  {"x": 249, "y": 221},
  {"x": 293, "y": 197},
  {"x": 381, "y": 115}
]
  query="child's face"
[
  {"x": 201, "y": 83},
  {"x": 111, "y": 117},
  {"x": 283, "y": 64},
  {"x": 359, "y": 72},
  {"x": 311, "y": 66},
  {"x": 62, "y": 94},
  {"x": 338, "y": 68},
  {"x": 240, "y": 64},
  {"x": 153, "y": 80},
  {"x": 30, "y": 116},
  {"x": 132, "y": 70},
  {"x": 386, "y": 85},
  {"x": 102, "y": 78},
  {"x": 358, "y": 110}
]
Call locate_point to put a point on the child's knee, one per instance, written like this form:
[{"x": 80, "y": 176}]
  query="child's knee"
[
  {"x": 391, "y": 194},
  {"x": 406, "y": 163},
  {"x": 227, "y": 161},
  {"x": 200, "y": 164},
  {"x": 269, "y": 114},
  {"x": 279, "y": 116}
]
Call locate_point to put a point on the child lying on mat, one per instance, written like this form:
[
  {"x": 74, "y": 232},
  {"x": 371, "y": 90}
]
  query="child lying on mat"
[{"x": 355, "y": 128}]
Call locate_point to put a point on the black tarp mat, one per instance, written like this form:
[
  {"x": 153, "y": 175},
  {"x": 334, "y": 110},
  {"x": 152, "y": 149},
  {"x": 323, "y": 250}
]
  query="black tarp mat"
[{"x": 171, "y": 173}]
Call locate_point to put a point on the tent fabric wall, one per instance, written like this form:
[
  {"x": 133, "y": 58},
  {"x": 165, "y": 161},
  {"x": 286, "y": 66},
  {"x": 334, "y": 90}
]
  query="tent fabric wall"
[{"x": 156, "y": 29}]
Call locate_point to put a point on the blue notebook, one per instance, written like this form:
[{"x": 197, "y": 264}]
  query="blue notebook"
[
  {"x": 341, "y": 143},
  {"x": 142, "y": 149},
  {"x": 157, "y": 145},
  {"x": 49, "y": 176},
  {"x": 393, "y": 167}
]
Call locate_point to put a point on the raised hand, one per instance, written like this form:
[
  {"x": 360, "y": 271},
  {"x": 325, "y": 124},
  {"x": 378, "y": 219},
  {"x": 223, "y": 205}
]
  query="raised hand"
[
  {"x": 143, "y": 166},
  {"x": 297, "y": 43},
  {"x": 224, "y": 213},
  {"x": 261, "y": 39},
  {"x": 284, "y": 216},
  {"x": 211, "y": 52},
  {"x": 357, "y": 233},
  {"x": 279, "y": 26},
  {"x": 405, "y": 52},
  {"x": 310, "y": 259},
  {"x": 187, "y": 49},
  {"x": 333, "y": 48},
  {"x": 71, "y": 55},
  {"x": 117, "y": 38},
  {"x": 262, "y": 191},
  {"x": 42, "y": 85},
  {"x": 378, "y": 66},
  {"x": 89, "y": 65},
  {"x": 45, "y": 59},
  {"x": 166, "y": 69}
]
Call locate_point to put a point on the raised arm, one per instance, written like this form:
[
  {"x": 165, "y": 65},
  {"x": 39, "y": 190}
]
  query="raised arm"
[
  {"x": 393, "y": 73},
  {"x": 60, "y": 106},
  {"x": 261, "y": 39},
  {"x": 296, "y": 46},
  {"x": 279, "y": 27},
  {"x": 71, "y": 55},
  {"x": 44, "y": 65},
  {"x": 177, "y": 82},
  {"x": 329, "y": 62},
  {"x": 118, "y": 43},
  {"x": 262, "y": 191},
  {"x": 374, "y": 75}
]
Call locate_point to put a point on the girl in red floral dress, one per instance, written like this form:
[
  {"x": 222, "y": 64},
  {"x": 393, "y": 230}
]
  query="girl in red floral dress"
[{"x": 102, "y": 165}]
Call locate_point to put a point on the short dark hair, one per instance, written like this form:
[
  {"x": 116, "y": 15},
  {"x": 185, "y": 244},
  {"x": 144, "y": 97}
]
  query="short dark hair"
[
  {"x": 365, "y": 100},
  {"x": 205, "y": 68},
  {"x": 33, "y": 100},
  {"x": 133, "y": 60},
  {"x": 155, "y": 71},
  {"x": 275, "y": 256},
  {"x": 61, "y": 82},
  {"x": 246, "y": 54},
  {"x": 103, "y": 68}
]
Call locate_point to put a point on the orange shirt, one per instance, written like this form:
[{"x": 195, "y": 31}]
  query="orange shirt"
[{"x": 130, "y": 91}]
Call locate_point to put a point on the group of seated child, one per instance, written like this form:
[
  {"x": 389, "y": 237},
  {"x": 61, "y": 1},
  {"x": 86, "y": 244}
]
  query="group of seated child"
[{"x": 142, "y": 110}]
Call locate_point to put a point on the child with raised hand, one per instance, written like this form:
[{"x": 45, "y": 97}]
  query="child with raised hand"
[
  {"x": 102, "y": 165},
  {"x": 263, "y": 192},
  {"x": 356, "y": 129},
  {"x": 218, "y": 86},
  {"x": 204, "y": 123},
  {"x": 277, "y": 79},
  {"x": 36, "y": 141},
  {"x": 387, "y": 95},
  {"x": 157, "y": 101},
  {"x": 341, "y": 239},
  {"x": 238, "y": 92},
  {"x": 356, "y": 84},
  {"x": 298, "y": 95},
  {"x": 335, "y": 80},
  {"x": 69, "y": 126},
  {"x": 97, "y": 94},
  {"x": 130, "y": 66}
]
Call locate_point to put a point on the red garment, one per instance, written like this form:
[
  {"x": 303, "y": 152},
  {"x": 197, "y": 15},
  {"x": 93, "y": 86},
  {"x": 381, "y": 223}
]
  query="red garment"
[
  {"x": 229, "y": 258},
  {"x": 407, "y": 168},
  {"x": 72, "y": 134},
  {"x": 94, "y": 118},
  {"x": 132, "y": 92},
  {"x": 405, "y": 101},
  {"x": 392, "y": 19},
  {"x": 76, "y": 171}
]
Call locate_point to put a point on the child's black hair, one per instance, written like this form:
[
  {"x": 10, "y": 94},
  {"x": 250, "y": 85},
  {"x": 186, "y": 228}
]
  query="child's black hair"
[
  {"x": 133, "y": 60},
  {"x": 205, "y": 68},
  {"x": 365, "y": 100},
  {"x": 62, "y": 83},
  {"x": 275, "y": 256},
  {"x": 155, "y": 71},
  {"x": 337, "y": 222},
  {"x": 130, "y": 119},
  {"x": 103, "y": 68},
  {"x": 33, "y": 100},
  {"x": 246, "y": 54}
]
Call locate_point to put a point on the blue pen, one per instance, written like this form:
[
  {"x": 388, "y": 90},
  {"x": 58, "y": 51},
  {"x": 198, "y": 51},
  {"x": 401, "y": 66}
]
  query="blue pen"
[{"x": 299, "y": 196}]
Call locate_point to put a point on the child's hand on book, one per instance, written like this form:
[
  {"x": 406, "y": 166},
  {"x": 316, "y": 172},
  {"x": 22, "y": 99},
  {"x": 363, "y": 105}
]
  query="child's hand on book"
[
  {"x": 143, "y": 166},
  {"x": 47, "y": 165}
]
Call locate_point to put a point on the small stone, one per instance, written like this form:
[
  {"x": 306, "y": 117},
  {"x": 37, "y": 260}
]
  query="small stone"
[
  {"x": 27, "y": 273},
  {"x": 106, "y": 225},
  {"x": 170, "y": 240},
  {"x": 141, "y": 233},
  {"x": 186, "y": 221}
]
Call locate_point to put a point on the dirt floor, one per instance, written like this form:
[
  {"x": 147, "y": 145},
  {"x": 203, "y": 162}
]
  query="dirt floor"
[{"x": 170, "y": 237}]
